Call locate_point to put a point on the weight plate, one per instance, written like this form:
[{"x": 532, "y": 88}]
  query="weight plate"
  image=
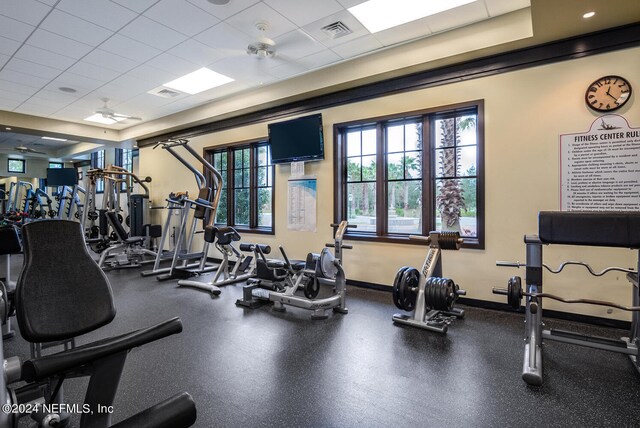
[
  {"x": 127, "y": 221},
  {"x": 514, "y": 289},
  {"x": 409, "y": 289},
  {"x": 396, "y": 287},
  {"x": 311, "y": 288},
  {"x": 120, "y": 218}
]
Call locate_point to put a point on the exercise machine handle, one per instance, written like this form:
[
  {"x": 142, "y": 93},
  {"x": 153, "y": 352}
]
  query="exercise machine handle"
[
  {"x": 420, "y": 238},
  {"x": 501, "y": 291},
  {"x": 503, "y": 263}
]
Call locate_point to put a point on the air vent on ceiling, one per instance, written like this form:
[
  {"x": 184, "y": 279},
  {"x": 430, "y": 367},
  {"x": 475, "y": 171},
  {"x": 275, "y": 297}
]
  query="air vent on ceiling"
[
  {"x": 163, "y": 92},
  {"x": 336, "y": 30}
]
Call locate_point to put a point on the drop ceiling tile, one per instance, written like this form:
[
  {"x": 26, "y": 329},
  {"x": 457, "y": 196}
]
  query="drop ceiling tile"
[
  {"x": 350, "y": 3},
  {"x": 245, "y": 21},
  {"x": 23, "y": 79},
  {"x": 133, "y": 84},
  {"x": 297, "y": 44},
  {"x": 110, "y": 61},
  {"x": 42, "y": 56},
  {"x": 287, "y": 69},
  {"x": 32, "y": 69},
  {"x": 226, "y": 39},
  {"x": 103, "y": 13},
  {"x": 141, "y": 103},
  {"x": 129, "y": 48},
  {"x": 75, "y": 28},
  {"x": 8, "y": 104},
  {"x": 181, "y": 16},
  {"x": 80, "y": 83},
  {"x": 14, "y": 30},
  {"x": 303, "y": 12},
  {"x": 223, "y": 11},
  {"x": 196, "y": 52},
  {"x": 49, "y": 2},
  {"x": 136, "y": 5},
  {"x": 13, "y": 96},
  {"x": 86, "y": 69},
  {"x": 315, "y": 29},
  {"x": 46, "y": 102},
  {"x": 153, "y": 34},
  {"x": 8, "y": 85},
  {"x": 52, "y": 42},
  {"x": 319, "y": 59},
  {"x": 499, "y": 7},
  {"x": 457, "y": 17},
  {"x": 28, "y": 11},
  {"x": 357, "y": 47},
  {"x": 35, "y": 109},
  {"x": 153, "y": 76},
  {"x": 240, "y": 68},
  {"x": 56, "y": 96},
  {"x": 8, "y": 46},
  {"x": 173, "y": 64},
  {"x": 3, "y": 59},
  {"x": 112, "y": 91},
  {"x": 402, "y": 33}
]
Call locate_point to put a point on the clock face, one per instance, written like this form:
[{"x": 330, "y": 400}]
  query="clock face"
[{"x": 608, "y": 93}]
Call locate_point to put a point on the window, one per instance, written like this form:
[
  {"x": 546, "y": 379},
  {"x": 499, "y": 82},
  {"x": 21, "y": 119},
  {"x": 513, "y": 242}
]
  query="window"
[
  {"x": 56, "y": 165},
  {"x": 97, "y": 162},
  {"x": 124, "y": 158},
  {"x": 16, "y": 165},
  {"x": 410, "y": 174},
  {"x": 246, "y": 201}
]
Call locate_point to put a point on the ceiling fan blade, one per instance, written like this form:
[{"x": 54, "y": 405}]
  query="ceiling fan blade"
[{"x": 125, "y": 116}]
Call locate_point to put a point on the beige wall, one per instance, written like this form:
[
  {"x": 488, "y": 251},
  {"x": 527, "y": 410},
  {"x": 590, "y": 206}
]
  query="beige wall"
[{"x": 525, "y": 112}]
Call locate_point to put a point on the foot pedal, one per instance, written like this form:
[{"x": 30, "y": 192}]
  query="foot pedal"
[{"x": 245, "y": 263}]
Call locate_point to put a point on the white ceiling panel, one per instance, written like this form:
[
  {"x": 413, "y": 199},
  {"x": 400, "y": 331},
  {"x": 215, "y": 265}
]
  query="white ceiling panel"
[
  {"x": 181, "y": 16},
  {"x": 8, "y": 104},
  {"x": 297, "y": 44},
  {"x": 42, "y": 56},
  {"x": 103, "y": 13},
  {"x": 33, "y": 69},
  {"x": 499, "y": 7},
  {"x": 75, "y": 28},
  {"x": 350, "y": 3},
  {"x": 6, "y": 85},
  {"x": 245, "y": 21},
  {"x": 357, "y": 47},
  {"x": 56, "y": 96},
  {"x": 153, "y": 76},
  {"x": 223, "y": 11},
  {"x": 140, "y": 103},
  {"x": 112, "y": 91},
  {"x": 133, "y": 84},
  {"x": 287, "y": 69},
  {"x": 14, "y": 30},
  {"x": 3, "y": 59},
  {"x": 56, "y": 104},
  {"x": 172, "y": 64},
  {"x": 152, "y": 33},
  {"x": 46, "y": 40},
  {"x": 196, "y": 52},
  {"x": 28, "y": 11},
  {"x": 457, "y": 17},
  {"x": 23, "y": 79},
  {"x": 315, "y": 29},
  {"x": 129, "y": 48},
  {"x": 81, "y": 84},
  {"x": 8, "y": 46},
  {"x": 225, "y": 38},
  {"x": 108, "y": 60},
  {"x": 13, "y": 96},
  {"x": 240, "y": 68},
  {"x": 95, "y": 72},
  {"x": 303, "y": 12},
  {"x": 35, "y": 109},
  {"x": 136, "y": 5},
  {"x": 319, "y": 59},
  {"x": 409, "y": 31}
]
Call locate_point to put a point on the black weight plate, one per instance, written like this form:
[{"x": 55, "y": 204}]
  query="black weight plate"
[
  {"x": 450, "y": 293},
  {"x": 441, "y": 295},
  {"x": 120, "y": 218},
  {"x": 396, "y": 287},
  {"x": 311, "y": 288},
  {"x": 428, "y": 290},
  {"x": 127, "y": 221},
  {"x": 514, "y": 289},
  {"x": 408, "y": 289}
]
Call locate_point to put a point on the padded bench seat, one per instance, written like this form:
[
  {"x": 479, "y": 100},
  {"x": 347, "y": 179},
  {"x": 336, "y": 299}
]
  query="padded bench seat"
[{"x": 604, "y": 229}]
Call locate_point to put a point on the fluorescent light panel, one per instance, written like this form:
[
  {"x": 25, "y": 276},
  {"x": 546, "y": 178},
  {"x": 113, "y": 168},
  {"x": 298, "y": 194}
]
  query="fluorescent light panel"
[
  {"x": 54, "y": 139},
  {"x": 103, "y": 120},
  {"x": 378, "y": 15},
  {"x": 198, "y": 81}
]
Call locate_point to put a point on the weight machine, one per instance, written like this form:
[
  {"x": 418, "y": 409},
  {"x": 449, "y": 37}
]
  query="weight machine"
[
  {"x": 605, "y": 229},
  {"x": 201, "y": 209},
  {"x": 324, "y": 268},
  {"x": 426, "y": 293},
  {"x": 17, "y": 192}
]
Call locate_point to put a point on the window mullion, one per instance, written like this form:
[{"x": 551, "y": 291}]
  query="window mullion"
[
  {"x": 428, "y": 222},
  {"x": 381, "y": 183},
  {"x": 231, "y": 194},
  {"x": 253, "y": 186}
]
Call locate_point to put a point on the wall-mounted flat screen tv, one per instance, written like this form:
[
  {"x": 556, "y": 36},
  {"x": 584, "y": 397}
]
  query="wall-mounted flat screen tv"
[
  {"x": 296, "y": 140},
  {"x": 62, "y": 177}
]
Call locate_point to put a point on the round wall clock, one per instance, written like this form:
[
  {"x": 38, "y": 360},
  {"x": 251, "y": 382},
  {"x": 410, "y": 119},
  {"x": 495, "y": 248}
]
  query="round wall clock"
[{"x": 608, "y": 93}]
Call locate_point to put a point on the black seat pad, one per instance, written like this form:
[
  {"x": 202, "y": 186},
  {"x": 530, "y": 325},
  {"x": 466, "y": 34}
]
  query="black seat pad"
[
  {"x": 226, "y": 235},
  {"x": 605, "y": 229},
  {"x": 123, "y": 236}
]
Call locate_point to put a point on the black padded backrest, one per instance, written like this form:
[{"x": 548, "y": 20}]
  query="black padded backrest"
[
  {"x": 9, "y": 240},
  {"x": 604, "y": 229},
  {"x": 61, "y": 292},
  {"x": 226, "y": 235},
  {"x": 112, "y": 217},
  {"x": 203, "y": 196}
]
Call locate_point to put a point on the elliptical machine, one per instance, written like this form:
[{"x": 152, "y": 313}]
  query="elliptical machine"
[
  {"x": 324, "y": 268},
  {"x": 429, "y": 296}
]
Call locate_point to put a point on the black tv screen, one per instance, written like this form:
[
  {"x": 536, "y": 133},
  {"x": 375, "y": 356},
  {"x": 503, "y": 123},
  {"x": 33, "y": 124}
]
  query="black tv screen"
[
  {"x": 62, "y": 177},
  {"x": 297, "y": 140}
]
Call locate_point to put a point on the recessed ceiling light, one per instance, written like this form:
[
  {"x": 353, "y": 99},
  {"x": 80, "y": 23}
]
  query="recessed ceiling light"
[
  {"x": 67, "y": 90},
  {"x": 218, "y": 2},
  {"x": 104, "y": 120},
  {"x": 588, "y": 15},
  {"x": 54, "y": 139},
  {"x": 198, "y": 81},
  {"x": 378, "y": 15},
  {"x": 7, "y": 128}
]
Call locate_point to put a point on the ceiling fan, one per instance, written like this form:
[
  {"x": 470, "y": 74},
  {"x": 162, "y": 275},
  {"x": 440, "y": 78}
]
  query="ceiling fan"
[
  {"x": 263, "y": 47},
  {"x": 109, "y": 113},
  {"x": 24, "y": 149}
]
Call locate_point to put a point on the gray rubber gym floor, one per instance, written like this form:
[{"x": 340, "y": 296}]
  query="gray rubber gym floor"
[{"x": 253, "y": 368}]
